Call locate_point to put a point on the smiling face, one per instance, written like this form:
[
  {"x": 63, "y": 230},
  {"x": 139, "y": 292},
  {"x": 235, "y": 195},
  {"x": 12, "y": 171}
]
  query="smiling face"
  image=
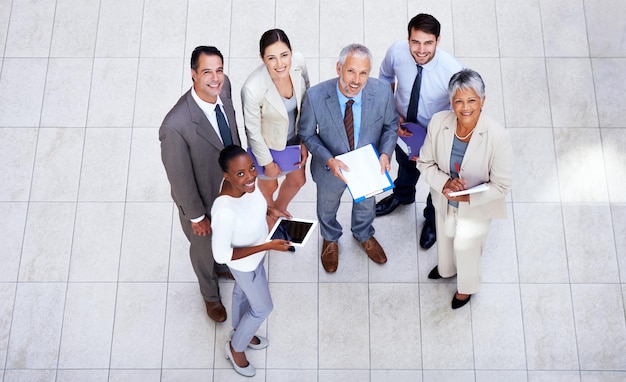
[
  {"x": 353, "y": 75},
  {"x": 467, "y": 106},
  {"x": 423, "y": 46},
  {"x": 277, "y": 59},
  {"x": 208, "y": 78},
  {"x": 241, "y": 174}
]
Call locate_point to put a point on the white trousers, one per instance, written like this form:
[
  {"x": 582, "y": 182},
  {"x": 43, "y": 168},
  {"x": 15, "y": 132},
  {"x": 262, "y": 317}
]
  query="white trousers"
[{"x": 460, "y": 244}]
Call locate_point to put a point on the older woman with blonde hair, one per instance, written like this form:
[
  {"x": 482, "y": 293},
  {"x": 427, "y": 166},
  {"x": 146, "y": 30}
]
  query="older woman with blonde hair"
[{"x": 465, "y": 148}]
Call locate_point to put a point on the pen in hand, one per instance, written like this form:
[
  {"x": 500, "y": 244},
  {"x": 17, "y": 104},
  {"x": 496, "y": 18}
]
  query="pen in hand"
[{"x": 457, "y": 168}]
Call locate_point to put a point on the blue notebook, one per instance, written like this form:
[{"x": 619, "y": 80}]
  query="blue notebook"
[
  {"x": 414, "y": 142},
  {"x": 285, "y": 159}
]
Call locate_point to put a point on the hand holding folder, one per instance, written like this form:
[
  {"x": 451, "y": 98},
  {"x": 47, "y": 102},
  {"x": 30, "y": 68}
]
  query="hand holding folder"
[
  {"x": 364, "y": 178},
  {"x": 287, "y": 159}
]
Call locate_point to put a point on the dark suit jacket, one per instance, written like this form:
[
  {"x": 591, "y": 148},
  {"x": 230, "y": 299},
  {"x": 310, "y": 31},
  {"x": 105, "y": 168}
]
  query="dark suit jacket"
[
  {"x": 322, "y": 130},
  {"x": 190, "y": 148}
]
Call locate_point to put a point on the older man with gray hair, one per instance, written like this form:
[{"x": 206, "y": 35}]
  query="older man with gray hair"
[{"x": 339, "y": 115}]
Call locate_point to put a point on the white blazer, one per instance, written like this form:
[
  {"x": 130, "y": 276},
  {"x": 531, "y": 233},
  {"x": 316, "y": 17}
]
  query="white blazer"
[
  {"x": 265, "y": 116},
  {"x": 488, "y": 159}
]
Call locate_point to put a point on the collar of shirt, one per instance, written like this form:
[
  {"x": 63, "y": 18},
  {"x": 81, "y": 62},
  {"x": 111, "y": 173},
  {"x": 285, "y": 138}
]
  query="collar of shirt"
[
  {"x": 356, "y": 111},
  {"x": 209, "y": 111}
]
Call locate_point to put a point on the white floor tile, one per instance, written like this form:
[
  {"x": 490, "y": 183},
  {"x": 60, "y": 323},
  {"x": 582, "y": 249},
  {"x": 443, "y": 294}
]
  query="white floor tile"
[
  {"x": 145, "y": 242},
  {"x": 57, "y": 165},
  {"x": 119, "y": 29},
  {"x": 253, "y": 18},
  {"x": 147, "y": 180},
  {"x": 290, "y": 375},
  {"x": 540, "y": 242},
  {"x": 591, "y": 253},
  {"x": 567, "y": 76},
  {"x": 499, "y": 259},
  {"x": 618, "y": 215},
  {"x": 449, "y": 375},
  {"x": 66, "y": 97},
  {"x": 497, "y": 328},
  {"x": 12, "y": 223},
  {"x": 96, "y": 247},
  {"x": 189, "y": 332},
  {"x": 535, "y": 176},
  {"x": 501, "y": 375},
  {"x": 104, "y": 171},
  {"x": 87, "y": 326},
  {"x": 138, "y": 329},
  {"x": 601, "y": 338},
  {"x": 549, "y": 327},
  {"x": 30, "y": 28},
  {"x": 293, "y": 326},
  {"x": 396, "y": 375},
  {"x": 157, "y": 41},
  {"x": 612, "y": 142},
  {"x": 343, "y": 375},
  {"x": 17, "y": 153},
  {"x": 602, "y": 376},
  {"x": 180, "y": 262},
  {"x": 553, "y": 376},
  {"x": 203, "y": 19},
  {"x": 156, "y": 98},
  {"x": 74, "y": 375},
  {"x": 610, "y": 85},
  {"x": 446, "y": 333},
  {"x": 525, "y": 79},
  {"x": 7, "y": 300},
  {"x": 47, "y": 242},
  {"x": 334, "y": 32},
  {"x": 395, "y": 338},
  {"x": 112, "y": 97},
  {"x": 75, "y": 26},
  {"x": 467, "y": 32},
  {"x": 343, "y": 326},
  {"x": 138, "y": 375},
  {"x": 582, "y": 146},
  {"x": 29, "y": 375},
  {"x": 519, "y": 28},
  {"x": 303, "y": 32},
  {"x": 5, "y": 13},
  {"x": 394, "y": 24},
  {"x": 36, "y": 327},
  {"x": 604, "y": 21},
  {"x": 564, "y": 28},
  {"x": 21, "y": 105},
  {"x": 192, "y": 375}
]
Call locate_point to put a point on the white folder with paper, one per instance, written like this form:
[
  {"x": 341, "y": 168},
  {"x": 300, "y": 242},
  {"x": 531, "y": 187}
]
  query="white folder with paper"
[{"x": 364, "y": 177}]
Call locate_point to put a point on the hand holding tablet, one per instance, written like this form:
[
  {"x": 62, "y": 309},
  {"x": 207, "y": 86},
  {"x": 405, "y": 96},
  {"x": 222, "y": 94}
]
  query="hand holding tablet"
[{"x": 295, "y": 230}]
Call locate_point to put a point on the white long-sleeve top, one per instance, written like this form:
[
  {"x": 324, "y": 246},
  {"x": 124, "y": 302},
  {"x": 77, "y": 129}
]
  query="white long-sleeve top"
[{"x": 239, "y": 222}]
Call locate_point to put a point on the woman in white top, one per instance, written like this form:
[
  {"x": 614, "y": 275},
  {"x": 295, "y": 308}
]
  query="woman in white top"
[
  {"x": 271, "y": 98},
  {"x": 239, "y": 233}
]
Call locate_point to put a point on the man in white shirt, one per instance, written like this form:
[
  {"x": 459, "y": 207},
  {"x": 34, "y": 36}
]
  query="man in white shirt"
[
  {"x": 192, "y": 135},
  {"x": 428, "y": 95}
]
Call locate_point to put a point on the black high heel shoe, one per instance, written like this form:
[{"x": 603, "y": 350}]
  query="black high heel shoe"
[{"x": 456, "y": 303}]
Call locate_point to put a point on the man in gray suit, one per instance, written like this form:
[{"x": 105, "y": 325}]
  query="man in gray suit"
[
  {"x": 338, "y": 116},
  {"x": 192, "y": 135}
]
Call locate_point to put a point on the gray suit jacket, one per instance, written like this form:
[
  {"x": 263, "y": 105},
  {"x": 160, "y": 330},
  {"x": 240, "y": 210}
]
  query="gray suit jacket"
[
  {"x": 190, "y": 148},
  {"x": 323, "y": 133}
]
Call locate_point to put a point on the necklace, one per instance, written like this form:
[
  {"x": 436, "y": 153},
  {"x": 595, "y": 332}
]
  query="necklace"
[{"x": 465, "y": 137}]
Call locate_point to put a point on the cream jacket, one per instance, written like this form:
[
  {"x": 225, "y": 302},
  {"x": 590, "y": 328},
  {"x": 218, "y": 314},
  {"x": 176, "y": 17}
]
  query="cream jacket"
[
  {"x": 488, "y": 159},
  {"x": 265, "y": 116}
]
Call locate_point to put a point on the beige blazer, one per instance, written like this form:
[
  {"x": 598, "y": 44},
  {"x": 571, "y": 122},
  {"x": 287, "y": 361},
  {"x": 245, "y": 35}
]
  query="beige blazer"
[
  {"x": 488, "y": 159},
  {"x": 264, "y": 113}
]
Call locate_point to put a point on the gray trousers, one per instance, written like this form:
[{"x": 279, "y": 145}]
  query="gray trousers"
[
  {"x": 252, "y": 303},
  {"x": 363, "y": 214}
]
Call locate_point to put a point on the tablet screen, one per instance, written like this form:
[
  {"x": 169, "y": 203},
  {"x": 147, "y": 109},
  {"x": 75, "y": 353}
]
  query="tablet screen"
[{"x": 297, "y": 231}]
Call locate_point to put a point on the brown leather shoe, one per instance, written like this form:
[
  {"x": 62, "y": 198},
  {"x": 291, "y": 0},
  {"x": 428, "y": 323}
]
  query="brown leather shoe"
[
  {"x": 330, "y": 256},
  {"x": 215, "y": 310},
  {"x": 374, "y": 250}
]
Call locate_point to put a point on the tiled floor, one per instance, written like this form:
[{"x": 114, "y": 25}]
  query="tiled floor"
[{"x": 95, "y": 280}]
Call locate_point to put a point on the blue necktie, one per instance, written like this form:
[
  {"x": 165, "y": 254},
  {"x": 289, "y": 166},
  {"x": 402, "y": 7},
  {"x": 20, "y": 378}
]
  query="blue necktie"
[
  {"x": 223, "y": 126},
  {"x": 411, "y": 114}
]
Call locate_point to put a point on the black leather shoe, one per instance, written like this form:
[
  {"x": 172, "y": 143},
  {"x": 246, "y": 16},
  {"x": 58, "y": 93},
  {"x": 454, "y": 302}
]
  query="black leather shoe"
[
  {"x": 434, "y": 274},
  {"x": 456, "y": 303},
  {"x": 388, "y": 204},
  {"x": 428, "y": 236}
]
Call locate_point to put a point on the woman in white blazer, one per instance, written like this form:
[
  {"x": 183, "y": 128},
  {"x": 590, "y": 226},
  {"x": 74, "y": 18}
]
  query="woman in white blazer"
[
  {"x": 271, "y": 98},
  {"x": 463, "y": 149}
]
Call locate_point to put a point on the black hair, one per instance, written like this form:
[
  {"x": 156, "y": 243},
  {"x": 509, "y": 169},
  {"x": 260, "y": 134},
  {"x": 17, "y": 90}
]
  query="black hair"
[
  {"x": 272, "y": 36},
  {"x": 425, "y": 23},
  {"x": 229, "y": 153},
  {"x": 203, "y": 49}
]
